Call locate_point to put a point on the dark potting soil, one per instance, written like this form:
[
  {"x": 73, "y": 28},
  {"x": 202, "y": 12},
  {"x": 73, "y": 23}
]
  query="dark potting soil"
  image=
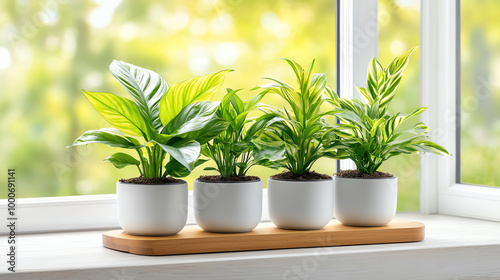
[
  {"x": 354, "y": 173},
  {"x": 152, "y": 181},
  {"x": 218, "y": 178},
  {"x": 309, "y": 176}
]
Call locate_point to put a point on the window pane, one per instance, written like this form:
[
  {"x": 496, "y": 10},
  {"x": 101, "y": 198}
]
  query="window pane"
[
  {"x": 50, "y": 50},
  {"x": 480, "y": 92},
  {"x": 399, "y": 30}
]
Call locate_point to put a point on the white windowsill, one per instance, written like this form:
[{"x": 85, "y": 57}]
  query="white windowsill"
[{"x": 454, "y": 248}]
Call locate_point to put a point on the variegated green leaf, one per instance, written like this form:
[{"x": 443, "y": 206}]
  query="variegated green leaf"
[
  {"x": 182, "y": 94},
  {"x": 376, "y": 77},
  {"x": 430, "y": 147},
  {"x": 145, "y": 86},
  {"x": 120, "y": 113}
]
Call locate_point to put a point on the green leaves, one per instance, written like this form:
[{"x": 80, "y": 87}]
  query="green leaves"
[
  {"x": 233, "y": 148},
  {"x": 120, "y": 160},
  {"x": 367, "y": 134},
  {"x": 188, "y": 122},
  {"x": 175, "y": 169},
  {"x": 182, "y": 94},
  {"x": 145, "y": 86},
  {"x": 107, "y": 136},
  {"x": 381, "y": 83},
  {"x": 120, "y": 113},
  {"x": 193, "y": 117},
  {"x": 376, "y": 77},
  {"x": 185, "y": 151},
  {"x": 430, "y": 147},
  {"x": 300, "y": 129}
]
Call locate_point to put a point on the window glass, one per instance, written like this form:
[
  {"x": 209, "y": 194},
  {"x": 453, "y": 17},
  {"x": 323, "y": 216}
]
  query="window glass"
[
  {"x": 51, "y": 50},
  {"x": 399, "y": 30},
  {"x": 480, "y": 92}
]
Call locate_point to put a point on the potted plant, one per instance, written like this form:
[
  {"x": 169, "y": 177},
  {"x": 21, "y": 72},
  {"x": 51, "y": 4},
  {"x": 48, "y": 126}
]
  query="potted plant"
[
  {"x": 299, "y": 198},
  {"x": 172, "y": 121},
  {"x": 232, "y": 200},
  {"x": 368, "y": 135}
]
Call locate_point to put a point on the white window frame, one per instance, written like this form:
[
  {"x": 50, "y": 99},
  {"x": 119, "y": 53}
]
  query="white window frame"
[{"x": 441, "y": 191}]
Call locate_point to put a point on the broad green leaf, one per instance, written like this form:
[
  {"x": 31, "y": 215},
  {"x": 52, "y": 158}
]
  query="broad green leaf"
[
  {"x": 107, "y": 136},
  {"x": 119, "y": 112},
  {"x": 268, "y": 151},
  {"x": 192, "y": 118},
  {"x": 175, "y": 169},
  {"x": 185, "y": 151},
  {"x": 120, "y": 160},
  {"x": 145, "y": 86},
  {"x": 209, "y": 131},
  {"x": 185, "y": 93}
]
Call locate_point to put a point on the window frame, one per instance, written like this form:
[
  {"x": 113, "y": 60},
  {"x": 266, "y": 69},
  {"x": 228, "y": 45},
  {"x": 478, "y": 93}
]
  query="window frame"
[{"x": 440, "y": 189}]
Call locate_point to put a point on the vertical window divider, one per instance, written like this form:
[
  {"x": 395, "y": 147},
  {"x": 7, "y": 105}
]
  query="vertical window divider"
[{"x": 357, "y": 44}]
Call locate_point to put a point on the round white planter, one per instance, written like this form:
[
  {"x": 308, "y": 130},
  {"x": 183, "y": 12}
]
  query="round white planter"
[
  {"x": 227, "y": 206},
  {"x": 300, "y": 204},
  {"x": 152, "y": 209},
  {"x": 365, "y": 202}
]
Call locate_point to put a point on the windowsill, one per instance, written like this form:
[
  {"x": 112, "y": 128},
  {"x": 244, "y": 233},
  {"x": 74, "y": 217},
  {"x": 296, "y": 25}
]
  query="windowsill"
[{"x": 453, "y": 247}]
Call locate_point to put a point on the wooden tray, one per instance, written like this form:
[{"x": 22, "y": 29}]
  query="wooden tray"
[{"x": 192, "y": 239}]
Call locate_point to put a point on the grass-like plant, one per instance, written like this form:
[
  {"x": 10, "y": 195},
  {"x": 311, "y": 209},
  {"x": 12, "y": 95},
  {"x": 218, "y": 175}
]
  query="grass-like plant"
[
  {"x": 236, "y": 149},
  {"x": 301, "y": 128},
  {"x": 367, "y": 134},
  {"x": 172, "y": 121}
]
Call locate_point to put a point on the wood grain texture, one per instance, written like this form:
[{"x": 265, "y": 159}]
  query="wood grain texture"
[{"x": 266, "y": 236}]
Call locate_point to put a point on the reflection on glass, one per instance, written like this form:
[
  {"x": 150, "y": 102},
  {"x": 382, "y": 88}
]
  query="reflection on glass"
[
  {"x": 480, "y": 92},
  {"x": 399, "y": 30}
]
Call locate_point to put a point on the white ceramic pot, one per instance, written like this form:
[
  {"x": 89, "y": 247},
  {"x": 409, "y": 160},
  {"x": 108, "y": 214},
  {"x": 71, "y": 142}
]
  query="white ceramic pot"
[
  {"x": 365, "y": 202},
  {"x": 300, "y": 204},
  {"x": 227, "y": 206},
  {"x": 152, "y": 209}
]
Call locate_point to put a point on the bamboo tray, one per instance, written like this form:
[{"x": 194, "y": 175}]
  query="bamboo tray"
[{"x": 266, "y": 236}]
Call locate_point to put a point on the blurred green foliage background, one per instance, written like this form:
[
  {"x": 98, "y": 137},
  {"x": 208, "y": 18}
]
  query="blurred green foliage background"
[{"x": 50, "y": 50}]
